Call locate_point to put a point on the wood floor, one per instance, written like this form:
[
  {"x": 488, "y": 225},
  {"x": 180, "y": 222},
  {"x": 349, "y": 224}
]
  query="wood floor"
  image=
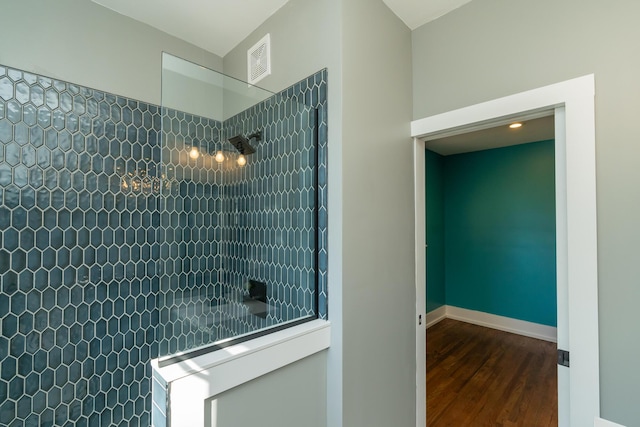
[{"x": 478, "y": 376}]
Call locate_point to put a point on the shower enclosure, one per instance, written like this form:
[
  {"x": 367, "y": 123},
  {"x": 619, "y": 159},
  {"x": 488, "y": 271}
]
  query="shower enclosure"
[{"x": 242, "y": 184}]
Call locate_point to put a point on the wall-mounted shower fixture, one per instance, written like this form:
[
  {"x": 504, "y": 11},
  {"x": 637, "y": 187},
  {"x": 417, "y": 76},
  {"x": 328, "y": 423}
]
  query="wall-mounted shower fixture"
[{"x": 242, "y": 144}]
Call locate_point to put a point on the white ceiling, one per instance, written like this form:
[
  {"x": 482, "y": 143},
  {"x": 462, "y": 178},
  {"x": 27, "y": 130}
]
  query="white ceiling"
[
  {"x": 214, "y": 25},
  {"x": 415, "y": 13},
  {"x": 219, "y": 25},
  {"x": 533, "y": 130}
]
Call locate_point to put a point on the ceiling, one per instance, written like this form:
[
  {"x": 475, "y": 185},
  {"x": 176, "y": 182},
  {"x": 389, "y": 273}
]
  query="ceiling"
[
  {"x": 219, "y": 25},
  {"x": 540, "y": 129},
  {"x": 415, "y": 13}
]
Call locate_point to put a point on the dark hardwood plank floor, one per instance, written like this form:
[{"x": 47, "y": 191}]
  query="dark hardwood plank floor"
[{"x": 478, "y": 376}]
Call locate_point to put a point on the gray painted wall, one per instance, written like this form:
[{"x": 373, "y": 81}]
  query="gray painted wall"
[
  {"x": 84, "y": 43},
  {"x": 371, "y": 362},
  {"x": 184, "y": 93},
  {"x": 378, "y": 236},
  {"x": 291, "y": 396},
  {"x": 306, "y": 37},
  {"x": 492, "y": 48}
]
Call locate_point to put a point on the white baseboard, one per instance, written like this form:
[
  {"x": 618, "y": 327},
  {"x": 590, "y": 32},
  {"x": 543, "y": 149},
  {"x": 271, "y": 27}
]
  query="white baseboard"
[
  {"x": 520, "y": 327},
  {"x": 434, "y": 316}
]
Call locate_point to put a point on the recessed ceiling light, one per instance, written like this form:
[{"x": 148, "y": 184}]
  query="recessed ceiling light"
[{"x": 515, "y": 125}]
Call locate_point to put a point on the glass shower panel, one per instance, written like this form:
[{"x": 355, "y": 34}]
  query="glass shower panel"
[{"x": 238, "y": 210}]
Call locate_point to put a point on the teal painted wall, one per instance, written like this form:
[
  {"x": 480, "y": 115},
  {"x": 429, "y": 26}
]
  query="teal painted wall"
[
  {"x": 491, "y": 231},
  {"x": 434, "y": 165},
  {"x": 500, "y": 232}
]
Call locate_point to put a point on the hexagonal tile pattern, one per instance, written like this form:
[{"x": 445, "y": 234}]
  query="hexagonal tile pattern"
[
  {"x": 270, "y": 233},
  {"x": 50, "y": 277},
  {"x": 224, "y": 224},
  {"x": 124, "y": 239}
]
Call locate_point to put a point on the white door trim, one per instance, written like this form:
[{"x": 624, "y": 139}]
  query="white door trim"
[
  {"x": 574, "y": 98},
  {"x": 562, "y": 285},
  {"x": 421, "y": 278}
]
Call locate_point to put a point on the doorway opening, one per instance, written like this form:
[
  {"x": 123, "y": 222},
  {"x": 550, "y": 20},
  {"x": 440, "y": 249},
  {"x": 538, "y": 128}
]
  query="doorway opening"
[
  {"x": 572, "y": 105},
  {"x": 490, "y": 226}
]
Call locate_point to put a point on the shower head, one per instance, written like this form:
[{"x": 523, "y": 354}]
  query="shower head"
[{"x": 242, "y": 144}]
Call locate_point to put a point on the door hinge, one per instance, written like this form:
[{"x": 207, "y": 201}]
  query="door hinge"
[
  {"x": 563, "y": 358},
  {"x": 419, "y": 319}
]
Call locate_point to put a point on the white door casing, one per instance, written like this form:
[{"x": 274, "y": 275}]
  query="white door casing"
[
  {"x": 562, "y": 286},
  {"x": 572, "y": 103},
  {"x": 421, "y": 280}
]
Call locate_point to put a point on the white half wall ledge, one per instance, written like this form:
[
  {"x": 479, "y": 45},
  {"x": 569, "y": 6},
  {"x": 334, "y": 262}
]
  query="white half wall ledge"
[
  {"x": 493, "y": 321},
  {"x": 194, "y": 382}
]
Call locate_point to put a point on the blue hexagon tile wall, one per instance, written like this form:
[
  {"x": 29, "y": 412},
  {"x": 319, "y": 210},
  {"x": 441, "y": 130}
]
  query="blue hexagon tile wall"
[{"x": 91, "y": 263}]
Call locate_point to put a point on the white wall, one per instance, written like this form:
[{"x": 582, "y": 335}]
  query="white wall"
[
  {"x": 84, "y": 43},
  {"x": 492, "y": 48}
]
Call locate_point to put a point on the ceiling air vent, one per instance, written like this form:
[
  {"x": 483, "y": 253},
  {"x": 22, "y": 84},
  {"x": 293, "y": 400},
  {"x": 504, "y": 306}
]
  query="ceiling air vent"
[{"x": 259, "y": 60}]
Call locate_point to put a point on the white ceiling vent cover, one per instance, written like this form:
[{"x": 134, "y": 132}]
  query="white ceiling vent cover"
[{"x": 259, "y": 60}]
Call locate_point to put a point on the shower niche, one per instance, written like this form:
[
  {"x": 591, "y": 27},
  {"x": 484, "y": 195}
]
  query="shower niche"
[{"x": 242, "y": 185}]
